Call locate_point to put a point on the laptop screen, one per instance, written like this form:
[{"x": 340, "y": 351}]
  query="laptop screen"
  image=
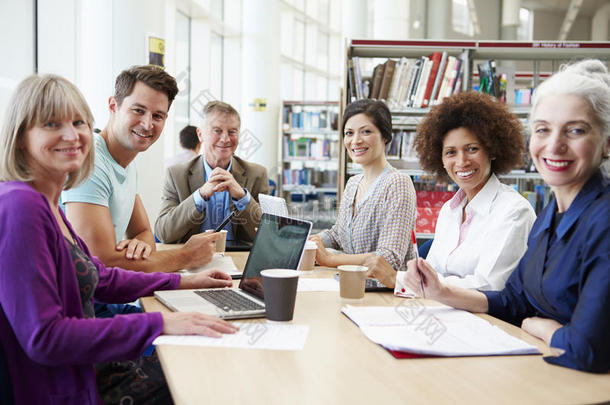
[{"x": 278, "y": 244}]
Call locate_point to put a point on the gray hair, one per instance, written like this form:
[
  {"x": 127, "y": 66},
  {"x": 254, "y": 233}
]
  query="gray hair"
[
  {"x": 588, "y": 79},
  {"x": 214, "y": 107}
]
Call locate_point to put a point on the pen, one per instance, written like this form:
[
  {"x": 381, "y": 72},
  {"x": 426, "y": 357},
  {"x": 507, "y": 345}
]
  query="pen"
[
  {"x": 225, "y": 221},
  {"x": 421, "y": 279}
]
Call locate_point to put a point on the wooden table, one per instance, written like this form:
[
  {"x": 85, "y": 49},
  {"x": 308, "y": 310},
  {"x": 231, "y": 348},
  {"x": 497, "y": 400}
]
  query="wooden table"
[{"x": 340, "y": 365}]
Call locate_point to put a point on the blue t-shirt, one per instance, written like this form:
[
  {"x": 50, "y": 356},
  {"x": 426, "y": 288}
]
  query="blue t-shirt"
[{"x": 110, "y": 185}]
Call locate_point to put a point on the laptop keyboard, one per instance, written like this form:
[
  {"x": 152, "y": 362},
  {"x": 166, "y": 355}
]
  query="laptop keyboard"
[{"x": 229, "y": 300}]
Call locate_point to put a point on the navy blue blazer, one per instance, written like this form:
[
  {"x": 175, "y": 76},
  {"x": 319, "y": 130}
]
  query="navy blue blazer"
[{"x": 565, "y": 276}]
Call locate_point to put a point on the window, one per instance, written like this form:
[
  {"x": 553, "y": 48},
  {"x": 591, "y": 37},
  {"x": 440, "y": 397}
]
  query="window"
[
  {"x": 310, "y": 50},
  {"x": 526, "y": 26},
  {"x": 183, "y": 74},
  {"x": 216, "y": 64},
  {"x": 464, "y": 17}
]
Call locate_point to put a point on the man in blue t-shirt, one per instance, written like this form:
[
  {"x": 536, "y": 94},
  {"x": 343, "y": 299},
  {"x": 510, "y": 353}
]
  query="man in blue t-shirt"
[{"x": 106, "y": 210}]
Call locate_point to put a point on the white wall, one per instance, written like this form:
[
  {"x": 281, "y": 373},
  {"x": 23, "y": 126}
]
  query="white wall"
[{"x": 17, "y": 44}]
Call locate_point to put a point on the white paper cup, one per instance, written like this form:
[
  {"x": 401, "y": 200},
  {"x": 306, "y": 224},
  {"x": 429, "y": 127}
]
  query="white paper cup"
[
  {"x": 309, "y": 256},
  {"x": 221, "y": 243}
]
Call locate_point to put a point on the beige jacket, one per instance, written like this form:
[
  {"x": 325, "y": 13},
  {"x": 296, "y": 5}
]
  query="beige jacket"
[{"x": 179, "y": 218}]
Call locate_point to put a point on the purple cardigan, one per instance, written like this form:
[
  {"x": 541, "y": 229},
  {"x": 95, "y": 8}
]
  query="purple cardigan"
[{"x": 50, "y": 348}]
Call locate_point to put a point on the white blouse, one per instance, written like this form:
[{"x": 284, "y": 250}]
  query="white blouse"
[{"x": 481, "y": 252}]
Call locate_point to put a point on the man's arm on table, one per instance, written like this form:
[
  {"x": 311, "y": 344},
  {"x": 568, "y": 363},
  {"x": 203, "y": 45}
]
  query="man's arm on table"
[
  {"x": 93, "y": 223},
  {"x": 139, "y": 226}
]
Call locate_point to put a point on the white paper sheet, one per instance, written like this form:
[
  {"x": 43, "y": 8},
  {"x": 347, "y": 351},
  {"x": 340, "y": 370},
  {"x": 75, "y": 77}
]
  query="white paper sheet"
[
  {"x": 220, "y": 262},
  {"x": 317, "y": 284},
  {"x": 438, "y": 331},
  {"x": 254, "y": 335}
]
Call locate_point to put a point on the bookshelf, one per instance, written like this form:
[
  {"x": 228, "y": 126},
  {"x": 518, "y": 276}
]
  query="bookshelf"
[
  {"x": 409, "y": 97},
  {"x": 310, "y": 159}
]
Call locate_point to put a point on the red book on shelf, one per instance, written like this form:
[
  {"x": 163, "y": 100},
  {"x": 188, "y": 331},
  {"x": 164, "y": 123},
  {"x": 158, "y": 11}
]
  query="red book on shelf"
[{"x": 435, "y": 57}]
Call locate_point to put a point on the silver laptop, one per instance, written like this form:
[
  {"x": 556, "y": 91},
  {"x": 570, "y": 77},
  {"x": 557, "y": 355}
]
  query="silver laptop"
[{"x": 278, "y": 244}]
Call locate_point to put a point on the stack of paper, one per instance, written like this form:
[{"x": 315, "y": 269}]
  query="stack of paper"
[{"x": 437, "y": 331}]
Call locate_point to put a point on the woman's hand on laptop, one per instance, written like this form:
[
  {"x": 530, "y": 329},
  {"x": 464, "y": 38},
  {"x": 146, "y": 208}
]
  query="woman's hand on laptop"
[
  {"x": 194, "y": 323},
  {"x": 206, "y": 279}
]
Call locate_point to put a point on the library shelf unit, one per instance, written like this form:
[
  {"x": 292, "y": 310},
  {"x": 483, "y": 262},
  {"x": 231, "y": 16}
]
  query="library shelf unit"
[
  {"x": 524, "y": 64},
  {"x": 309, "y": 156}
]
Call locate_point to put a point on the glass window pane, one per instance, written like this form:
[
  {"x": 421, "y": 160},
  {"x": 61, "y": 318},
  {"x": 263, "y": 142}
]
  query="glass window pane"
[
  {"x": 310, "y": 45},
  {"x": 216, "y": 65},
  {"x": 287, "y": 34},
  {"x": 298, "y": 78},
  {"x": 298, "y": 40},
  {"x": 183, "y": 74},
  {"x": 286, "y": 86},
  {"x": 216, "y": 9},
  {"x": 525, "y": 31},
  {"x": 460, "y": 17},
  {"x": 322, "y": 51}
]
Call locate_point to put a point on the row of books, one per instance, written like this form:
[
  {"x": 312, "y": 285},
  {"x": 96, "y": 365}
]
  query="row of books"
[
  {"x": 312, "y": 148},
  {"x": 401, "y": 146},
  {"x": 416, "y": 82},
  {"x": 309, "y": 120},
  {"x": 310, "y": 177}
]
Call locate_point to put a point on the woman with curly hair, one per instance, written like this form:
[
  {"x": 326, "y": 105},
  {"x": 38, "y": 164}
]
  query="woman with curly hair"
[{"x": 481, "y": 233}]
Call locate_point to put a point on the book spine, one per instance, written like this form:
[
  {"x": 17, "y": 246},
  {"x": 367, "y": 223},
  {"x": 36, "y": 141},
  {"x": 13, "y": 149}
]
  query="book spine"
[
  {"x": 423, "y": 83},
  {"x": 436, "y": 60},
  {"x": 439, "y": 78},
  {"x": 416, "y": 75}
]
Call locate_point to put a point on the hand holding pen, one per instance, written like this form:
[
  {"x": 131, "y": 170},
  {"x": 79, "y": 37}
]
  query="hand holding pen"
[
  {"x": 226, "y": 220},
  {"x": 416, "y": 253}
]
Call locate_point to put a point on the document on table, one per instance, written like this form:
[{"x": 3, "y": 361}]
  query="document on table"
[
  {"x": 437, "y": 331},
  {"x": 317, "y": 284},
  {"x": 251, "y": 335},
  {"x": 220, "y": 262}
]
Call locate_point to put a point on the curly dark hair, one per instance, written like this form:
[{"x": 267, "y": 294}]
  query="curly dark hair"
[
  {"x": 498, "y": 130},
  {"x": 377, "y": 111}
]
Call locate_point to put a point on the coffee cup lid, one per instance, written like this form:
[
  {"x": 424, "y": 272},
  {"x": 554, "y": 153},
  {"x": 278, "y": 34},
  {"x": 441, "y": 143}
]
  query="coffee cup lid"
[
  {"x": 280, "y": 273},
  {"x": 310, "y": 244}
]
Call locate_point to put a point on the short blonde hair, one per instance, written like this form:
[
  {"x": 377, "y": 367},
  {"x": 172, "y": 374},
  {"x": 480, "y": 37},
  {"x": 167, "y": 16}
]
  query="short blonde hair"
[{"x": 37, "y": 100}]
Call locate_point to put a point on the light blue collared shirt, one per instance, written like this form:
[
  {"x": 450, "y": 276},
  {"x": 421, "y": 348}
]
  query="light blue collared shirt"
[{"x": 217, "y": 207}]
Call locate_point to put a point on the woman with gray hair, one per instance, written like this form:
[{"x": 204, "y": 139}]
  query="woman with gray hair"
[{"x": 560, "y": 291}]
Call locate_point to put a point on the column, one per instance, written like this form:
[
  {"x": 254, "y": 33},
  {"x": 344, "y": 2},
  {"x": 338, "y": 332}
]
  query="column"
[
  {"x": 354, "y": 19},
  {"x": 510, "y": 19},
  {"x": 391, "y": 19},
  {"x": 260, "y": 73},
  {"x": 112, "y": 37}
]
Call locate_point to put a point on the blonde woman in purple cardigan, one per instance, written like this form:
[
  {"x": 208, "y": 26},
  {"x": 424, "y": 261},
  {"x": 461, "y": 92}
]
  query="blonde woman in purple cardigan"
[{"x": 52, "y": 341}]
